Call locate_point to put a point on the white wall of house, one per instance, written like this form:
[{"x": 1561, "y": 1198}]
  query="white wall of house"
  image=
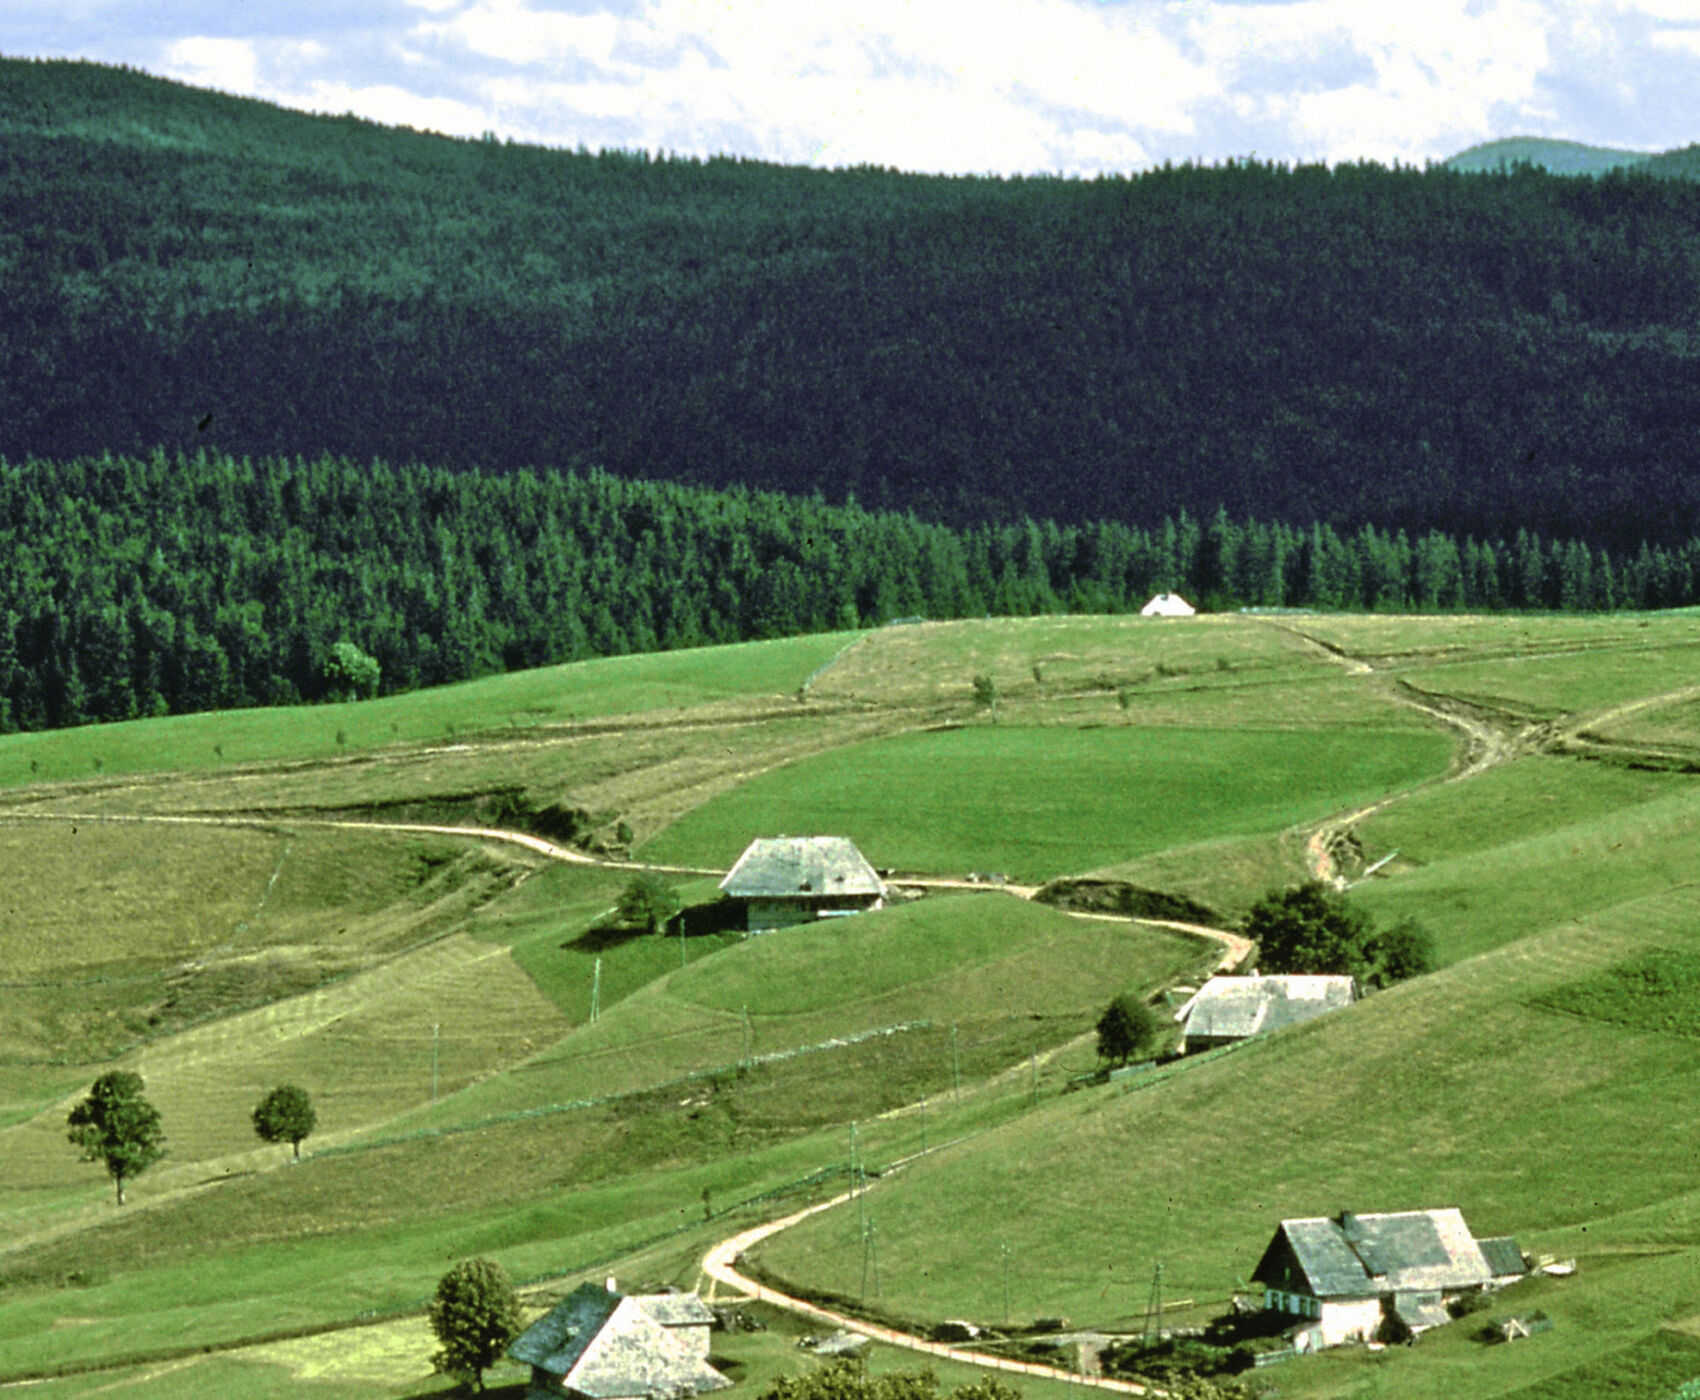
[
  {"x": 1349, "y": 1320},
  {"x": 1336, "y": 1320}
]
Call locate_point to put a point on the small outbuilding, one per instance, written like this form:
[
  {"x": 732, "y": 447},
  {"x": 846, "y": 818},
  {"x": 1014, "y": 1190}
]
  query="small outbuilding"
[
  {"x": 600, "y": 1344},
  {"x": 1352, "y": 1278},
  {"x": 785, "y": 880},
  {"x": 1168, "y": 605},
  {"x": 1228, "y": 1009}
]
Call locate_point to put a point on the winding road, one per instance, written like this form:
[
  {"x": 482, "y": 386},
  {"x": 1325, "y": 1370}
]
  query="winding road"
[{"x": 720, "y": 1264}]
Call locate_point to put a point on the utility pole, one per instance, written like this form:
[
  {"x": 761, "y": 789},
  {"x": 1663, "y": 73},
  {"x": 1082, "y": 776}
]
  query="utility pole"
[
  {"x": 1034, "y": 1061},
  {"x": 596, "y": 993},
  {"x": 870, "y": 1257},
  {"x": 749, "y": 1039},
  {"x": 858, "y": 1185},
  {"x": 955, "y": 1064},
  {"x": 1154, "y": 1309},
  {"x": 436, "y": 1026},
  {"x": 1006, "y": 1283}
]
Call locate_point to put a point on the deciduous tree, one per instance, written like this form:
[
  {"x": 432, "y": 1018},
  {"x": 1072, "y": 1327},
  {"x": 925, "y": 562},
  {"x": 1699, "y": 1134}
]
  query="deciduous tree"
[
  {"x": 648, "y": 900},
  {"x": 475, "y": 1316},
  {"x": 1127, "y": 1028},
  {"x": 285, "y": 1115},
  {"x": 117, "y": 1126}
]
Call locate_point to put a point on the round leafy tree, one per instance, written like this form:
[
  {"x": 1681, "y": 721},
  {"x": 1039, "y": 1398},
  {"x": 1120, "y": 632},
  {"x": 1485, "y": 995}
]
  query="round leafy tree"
[
  {"x": 117, "y": 1126},
  {"x": 1127, "y": 1027},
  {"x": 1309, "y": 928},
  {"x": 475, "y": 1316},
  {"x": 285, "y": 1115},
  {"x": 352, "y": 672},
  {"x": 648, "y": 900}
]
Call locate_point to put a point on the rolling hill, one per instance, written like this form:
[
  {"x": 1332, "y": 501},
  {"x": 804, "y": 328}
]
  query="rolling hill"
[
  {"x": 213, "y": 921},
  {"x": 1351, "y": 344},
  {"x": 1556, "y": 157}
]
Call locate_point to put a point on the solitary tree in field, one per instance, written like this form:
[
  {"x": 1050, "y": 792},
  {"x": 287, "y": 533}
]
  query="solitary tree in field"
[
  {"x": 475, "y": 1315},
  {"x": 1127, "y": 1028},
  {"x": 116, "y": 1126},
  {"x": 648, "y": 900},
  {"x": 352, "y": 672},
  {"x": 285, "y": 1115}
]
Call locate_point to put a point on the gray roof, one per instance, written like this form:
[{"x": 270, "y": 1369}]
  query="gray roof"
[
  {"x": 1234, "y": 1008},
  {"x": 557, "y": 1340},
  {"x": 1357, "y": 1256},
  {"x": 676, "y": 1309},
  {"x": 801, "y": 866},
  {"x": 1504, "y": 1258},
  {"x": 1420, "y": 1311},
  {"x": 608, "y": 1346}
]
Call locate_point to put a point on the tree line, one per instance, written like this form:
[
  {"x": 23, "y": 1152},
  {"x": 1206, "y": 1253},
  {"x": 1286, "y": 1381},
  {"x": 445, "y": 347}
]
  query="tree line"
[
  {"x": 1423, "y": 350},
  {"x": 133, "y": 586}
]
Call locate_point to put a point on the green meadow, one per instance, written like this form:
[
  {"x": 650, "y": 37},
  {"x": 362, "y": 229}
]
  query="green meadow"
[
  {"x": 1037, "y": 802},
  {"x": 500, "y": 1067},
  {"x": 503, "y": 705}
]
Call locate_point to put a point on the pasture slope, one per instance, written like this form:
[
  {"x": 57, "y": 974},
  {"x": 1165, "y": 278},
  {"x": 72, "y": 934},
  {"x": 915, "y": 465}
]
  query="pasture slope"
[{"x": 1531, "y": 778}]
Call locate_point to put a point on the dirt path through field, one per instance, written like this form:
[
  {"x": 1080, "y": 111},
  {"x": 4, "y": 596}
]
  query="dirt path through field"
[
  {"x": 720, "y": 1264},
  {"x": 1487, "y": 744}
]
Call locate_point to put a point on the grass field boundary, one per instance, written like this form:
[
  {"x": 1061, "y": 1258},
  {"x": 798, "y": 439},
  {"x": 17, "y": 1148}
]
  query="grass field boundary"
[
  {"x": 841, "y": 1042},
  {"x": 413, "y": 1307}
]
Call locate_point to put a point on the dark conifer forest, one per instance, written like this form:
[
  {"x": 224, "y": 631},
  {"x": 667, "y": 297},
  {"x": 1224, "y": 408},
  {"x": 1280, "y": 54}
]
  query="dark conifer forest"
[{"x": 869, "y": 394}]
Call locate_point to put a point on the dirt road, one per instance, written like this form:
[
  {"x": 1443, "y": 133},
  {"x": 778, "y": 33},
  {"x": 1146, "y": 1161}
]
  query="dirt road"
[{"x": 721, "y": 1266}]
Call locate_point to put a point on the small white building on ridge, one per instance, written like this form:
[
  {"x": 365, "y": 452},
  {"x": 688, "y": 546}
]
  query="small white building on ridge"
[
  {"x": 786, "y": 880},
  {"x": 1168, "y": 605}
]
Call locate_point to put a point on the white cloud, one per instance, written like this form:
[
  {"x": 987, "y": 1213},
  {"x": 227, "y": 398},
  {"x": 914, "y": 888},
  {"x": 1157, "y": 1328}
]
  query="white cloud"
[
  {"x": 1688, "y": 39},
  {"x": 909, "y": 84},
  {"x": 1006, "y": 85},
  {"x": 228, "y": 64},
  {"x": 392, "y": 106}
]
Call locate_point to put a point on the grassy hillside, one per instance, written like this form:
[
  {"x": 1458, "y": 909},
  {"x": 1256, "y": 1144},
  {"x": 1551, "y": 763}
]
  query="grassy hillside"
[
  {"x": 1530, "y": 1081},
  {"x": 1088, "y": 797}
]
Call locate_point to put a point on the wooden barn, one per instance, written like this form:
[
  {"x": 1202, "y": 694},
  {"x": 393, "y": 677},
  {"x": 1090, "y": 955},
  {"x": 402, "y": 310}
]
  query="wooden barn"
[
  {"x": 600, "y": 1344},
  {"x": 1359, "y": 1277},
  {"x": 785, "y": 880}
]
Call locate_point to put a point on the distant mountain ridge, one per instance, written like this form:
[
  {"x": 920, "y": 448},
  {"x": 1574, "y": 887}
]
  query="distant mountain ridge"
[
  {"x": 1573, "y": 158},
  {"x": 1413, "y": 349},
  {"x": 1559, "y": 157}
]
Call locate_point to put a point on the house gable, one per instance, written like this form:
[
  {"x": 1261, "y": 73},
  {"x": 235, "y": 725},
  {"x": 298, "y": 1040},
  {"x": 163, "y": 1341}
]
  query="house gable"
[{"x": 794, "y": 879}]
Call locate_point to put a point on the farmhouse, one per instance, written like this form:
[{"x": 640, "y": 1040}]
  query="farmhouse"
[
  {"x": 1353, "y": 1277},
  {"x": 788, "y": 880},
  {"x": 1168, "y": 605},
  {"x": 1226, "y": 1009},
  {"x": 599, "y": 1344}
]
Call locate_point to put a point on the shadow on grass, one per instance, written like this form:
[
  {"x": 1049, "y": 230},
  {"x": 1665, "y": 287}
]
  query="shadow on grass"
[
  {"x": 698, "y": 921},
  {"x": 515, "y": 1390}
]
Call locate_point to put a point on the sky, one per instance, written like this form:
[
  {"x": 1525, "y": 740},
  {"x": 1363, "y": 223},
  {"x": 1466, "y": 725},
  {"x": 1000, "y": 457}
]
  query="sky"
[{"x": 1076, "y": 87}]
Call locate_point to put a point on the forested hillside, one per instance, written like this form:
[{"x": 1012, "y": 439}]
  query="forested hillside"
[
  {"x": 1472, "y": 353},
  {"x": 132, "y": 586}
]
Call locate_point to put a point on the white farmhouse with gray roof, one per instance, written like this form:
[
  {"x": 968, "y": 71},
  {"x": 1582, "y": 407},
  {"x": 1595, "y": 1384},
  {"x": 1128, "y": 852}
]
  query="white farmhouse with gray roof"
[
  {"x": 1341, "y": 1278},
  {"x": 599, "y": 1344},
  {"x": 787, "y": 880},
  {"x": 1226, "y": 1009}
]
